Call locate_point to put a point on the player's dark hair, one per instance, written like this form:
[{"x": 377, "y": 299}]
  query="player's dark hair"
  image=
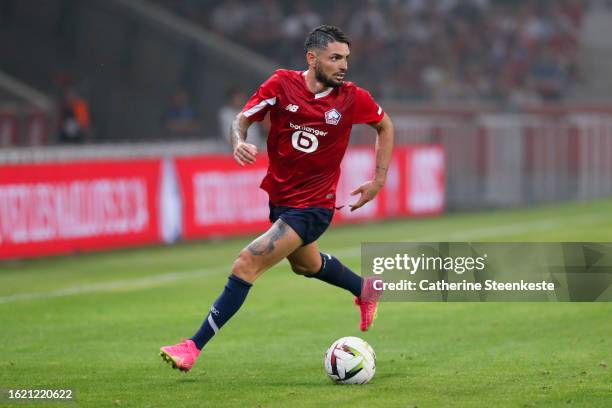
[{"x": 322, "y": 35}]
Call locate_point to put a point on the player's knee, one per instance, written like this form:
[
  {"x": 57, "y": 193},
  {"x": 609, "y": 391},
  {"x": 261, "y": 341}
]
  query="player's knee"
[{"x": 246, "y": 267}]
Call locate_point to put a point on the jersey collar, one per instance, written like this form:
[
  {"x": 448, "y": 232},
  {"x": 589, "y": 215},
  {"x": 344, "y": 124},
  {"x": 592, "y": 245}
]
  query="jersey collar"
[{"x": 321, "y": 94}]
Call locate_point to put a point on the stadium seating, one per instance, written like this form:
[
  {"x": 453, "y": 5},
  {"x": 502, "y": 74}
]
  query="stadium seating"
[{"x": 508, "y": 52}]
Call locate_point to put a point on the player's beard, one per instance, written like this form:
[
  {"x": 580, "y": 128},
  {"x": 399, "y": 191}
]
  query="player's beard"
[{"x": 328, "y": 81}]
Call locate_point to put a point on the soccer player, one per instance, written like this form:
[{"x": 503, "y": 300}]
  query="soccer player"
[{"x": 311, "y": 115}]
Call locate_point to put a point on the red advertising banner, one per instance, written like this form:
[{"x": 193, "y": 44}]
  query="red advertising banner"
[
  {"x": 221, "y": 198},
  {"x": 415, "y": 183},
  {"x": 61, "y": 208},
  {"x": 424, "y": 180}
]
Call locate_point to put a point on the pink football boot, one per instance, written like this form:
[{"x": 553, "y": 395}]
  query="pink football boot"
[
  {"x": 368, "y": 303},
  {"x": 182, "y": 355}
]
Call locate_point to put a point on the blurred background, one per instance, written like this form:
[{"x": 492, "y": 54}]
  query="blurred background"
[
  {"x": 497, "y": 103},
  {"x": 114, "y": 117}
]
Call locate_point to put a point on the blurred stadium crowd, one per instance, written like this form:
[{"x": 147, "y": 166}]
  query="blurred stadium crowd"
[
  {"x": 122, "y": 70},
  {"x": 516, "y": 52}
]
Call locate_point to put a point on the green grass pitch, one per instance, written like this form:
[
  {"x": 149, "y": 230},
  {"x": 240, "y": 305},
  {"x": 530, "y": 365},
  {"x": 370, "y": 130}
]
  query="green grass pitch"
[{"x": 95, "y": 322}]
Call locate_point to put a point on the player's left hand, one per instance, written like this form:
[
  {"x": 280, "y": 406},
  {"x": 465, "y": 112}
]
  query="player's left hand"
[{"x": 368, "y": 191}]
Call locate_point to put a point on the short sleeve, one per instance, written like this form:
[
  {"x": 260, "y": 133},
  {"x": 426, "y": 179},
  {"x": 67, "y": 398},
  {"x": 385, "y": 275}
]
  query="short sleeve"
[
  {"x": 366, "y": 109},
  {"x": 265, "y": 97}
]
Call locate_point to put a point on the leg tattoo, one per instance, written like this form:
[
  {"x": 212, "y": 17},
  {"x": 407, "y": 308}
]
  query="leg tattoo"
[{"x": 265, "y": 244}]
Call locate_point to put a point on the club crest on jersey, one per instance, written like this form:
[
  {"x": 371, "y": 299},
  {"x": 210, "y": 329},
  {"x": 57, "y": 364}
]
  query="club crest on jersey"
[{"x": 332, "y": 117}]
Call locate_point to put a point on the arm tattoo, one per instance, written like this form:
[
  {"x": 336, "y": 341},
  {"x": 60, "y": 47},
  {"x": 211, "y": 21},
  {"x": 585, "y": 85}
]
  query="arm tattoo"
[
  {"x": 265, "y": 243},
  {"x": 238, "y": 130}
]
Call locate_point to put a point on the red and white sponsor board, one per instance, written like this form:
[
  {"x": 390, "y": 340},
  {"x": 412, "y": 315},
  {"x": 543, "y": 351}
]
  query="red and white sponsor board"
[
  {"x": 69, "y": 207},
  {"x": 59, "y": 208},
  {"x": 415, "y": 184},
  {"x": 221, "y": 198},
  {"x": 424, "y": 174}
]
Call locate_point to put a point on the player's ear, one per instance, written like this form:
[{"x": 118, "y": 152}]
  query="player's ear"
[{"x": 311, "y": 58}]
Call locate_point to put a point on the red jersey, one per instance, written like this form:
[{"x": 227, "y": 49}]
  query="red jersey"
[{"x": 308, "y": 136}]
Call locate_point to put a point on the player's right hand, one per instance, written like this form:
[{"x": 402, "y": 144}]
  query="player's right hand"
[{"x": 244, "y": 153}]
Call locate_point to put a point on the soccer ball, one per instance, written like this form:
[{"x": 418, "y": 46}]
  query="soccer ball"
[{"x": 350, "y": 360}]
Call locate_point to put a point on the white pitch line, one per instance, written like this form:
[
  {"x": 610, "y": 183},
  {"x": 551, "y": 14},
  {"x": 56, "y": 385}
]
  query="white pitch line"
[
  {"x": 123, "y": 284},
  {"x": 346, "y": 252}
]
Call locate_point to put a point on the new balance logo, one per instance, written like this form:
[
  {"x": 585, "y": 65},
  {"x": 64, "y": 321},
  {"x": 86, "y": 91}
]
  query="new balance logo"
[{"x": 292, "y": 108}]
